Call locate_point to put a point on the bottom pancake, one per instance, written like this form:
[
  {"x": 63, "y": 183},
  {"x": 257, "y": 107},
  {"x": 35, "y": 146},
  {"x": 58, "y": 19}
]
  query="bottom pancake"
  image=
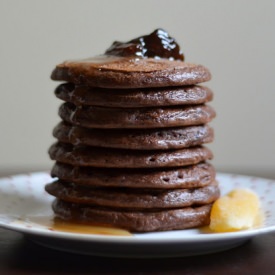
[{"x": 132, "y": 220}]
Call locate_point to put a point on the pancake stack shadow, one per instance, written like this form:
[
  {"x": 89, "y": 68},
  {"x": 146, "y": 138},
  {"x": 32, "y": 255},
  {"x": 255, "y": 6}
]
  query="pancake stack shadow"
[{"x": 134, "y": 158}]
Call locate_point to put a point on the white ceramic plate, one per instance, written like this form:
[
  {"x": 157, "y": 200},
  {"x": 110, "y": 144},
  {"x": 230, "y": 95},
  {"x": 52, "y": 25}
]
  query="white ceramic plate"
[{"x": 22, "y": 197}]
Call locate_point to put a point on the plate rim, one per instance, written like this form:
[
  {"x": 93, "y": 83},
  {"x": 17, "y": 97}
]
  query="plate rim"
[{"x": 135, "y": 238}]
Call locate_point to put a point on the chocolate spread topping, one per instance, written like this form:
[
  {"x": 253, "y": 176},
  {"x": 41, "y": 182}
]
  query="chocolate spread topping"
[{"x": 158, "y": 44}]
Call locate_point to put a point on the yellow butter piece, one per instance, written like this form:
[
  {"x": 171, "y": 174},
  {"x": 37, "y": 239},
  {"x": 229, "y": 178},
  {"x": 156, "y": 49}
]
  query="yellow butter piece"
[{"x": 235, "y": 211}]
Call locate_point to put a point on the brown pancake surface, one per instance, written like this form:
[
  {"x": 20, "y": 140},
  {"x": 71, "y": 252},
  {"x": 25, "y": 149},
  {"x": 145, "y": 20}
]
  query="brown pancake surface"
[
  {"x": 133, "y": 220},
  {"x": 130, "y": 72},
  {"x": 198, "y": 175},
  {"x": 120, "y": 158},
  {"x": 104, "y": 117},
  {"x": 138, "y": 139},
  {"x": 133, "y": 198},
  {"x": 133, "y": 98}
]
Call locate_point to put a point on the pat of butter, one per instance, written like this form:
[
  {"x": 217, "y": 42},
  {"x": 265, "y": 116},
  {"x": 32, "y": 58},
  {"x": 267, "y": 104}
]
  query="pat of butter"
[{"x": 238, "y": 210}]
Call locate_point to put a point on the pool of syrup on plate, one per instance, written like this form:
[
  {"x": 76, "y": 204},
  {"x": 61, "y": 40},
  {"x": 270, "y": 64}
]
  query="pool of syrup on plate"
[{"x": 55, "y": 224}]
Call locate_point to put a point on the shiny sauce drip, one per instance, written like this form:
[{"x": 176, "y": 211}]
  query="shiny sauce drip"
[{"x": 158, "y": 44}]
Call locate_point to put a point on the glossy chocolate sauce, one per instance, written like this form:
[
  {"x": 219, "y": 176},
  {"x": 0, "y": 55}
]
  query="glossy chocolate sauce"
[{"x": 158, "y": 44}]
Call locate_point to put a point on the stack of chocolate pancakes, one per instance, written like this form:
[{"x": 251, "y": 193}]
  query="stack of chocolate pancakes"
[{"x": 129, "y": 150}]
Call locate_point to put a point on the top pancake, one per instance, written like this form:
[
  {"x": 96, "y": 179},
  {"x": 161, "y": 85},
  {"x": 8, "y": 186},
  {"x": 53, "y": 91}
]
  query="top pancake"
[{"x": 130, "y": 72}]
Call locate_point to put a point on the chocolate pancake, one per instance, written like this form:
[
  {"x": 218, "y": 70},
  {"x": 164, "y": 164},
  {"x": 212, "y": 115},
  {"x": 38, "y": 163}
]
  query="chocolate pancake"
[
  {"x": 107, "y": 71},
  {"x": 133, "y": 98},
  {"x": 133, "y": 198},
  {"x": 104, "y": 117},
  {"x": 198, "y": 175},
  {"x": 138, "y": 139},
  {"x": 119, "y": 158},
  {"x": 133, "y": 220}
]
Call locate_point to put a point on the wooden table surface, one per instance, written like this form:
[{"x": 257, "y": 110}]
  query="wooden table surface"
[{"x": 19, "y": 255}]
